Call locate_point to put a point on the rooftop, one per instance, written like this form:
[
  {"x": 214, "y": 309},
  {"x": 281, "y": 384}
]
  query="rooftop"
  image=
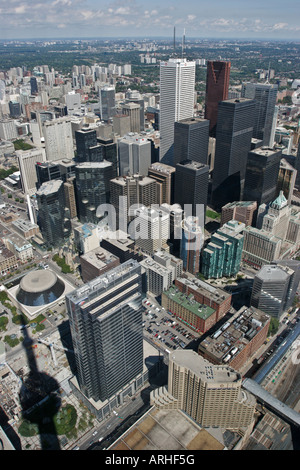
[
  {"x": 188, "y": 302},
  {"x": 166, "y": 430}
]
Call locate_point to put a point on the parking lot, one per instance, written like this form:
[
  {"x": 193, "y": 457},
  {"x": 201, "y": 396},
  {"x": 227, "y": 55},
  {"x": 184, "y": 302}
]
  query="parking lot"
[{"x": 163, "y": 329}]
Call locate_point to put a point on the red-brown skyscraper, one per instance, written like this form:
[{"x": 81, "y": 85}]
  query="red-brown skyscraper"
[{"x": 217, "y": 83}]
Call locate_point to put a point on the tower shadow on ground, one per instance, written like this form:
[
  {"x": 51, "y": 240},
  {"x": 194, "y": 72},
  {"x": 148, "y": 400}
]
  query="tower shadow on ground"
[{"x": 39, "y": 398}]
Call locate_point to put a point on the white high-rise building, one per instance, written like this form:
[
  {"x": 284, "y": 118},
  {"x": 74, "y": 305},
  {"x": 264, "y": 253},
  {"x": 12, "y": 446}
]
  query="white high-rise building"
[
  {"x": 27, "y": 160},
  {"x": 177, "y": 87},
  {"x": 134, "y": 154},
  {"x": 58, "y": 139}
]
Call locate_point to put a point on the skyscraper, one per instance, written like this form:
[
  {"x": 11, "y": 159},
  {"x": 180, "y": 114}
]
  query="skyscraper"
[
  {"x": 53, "y": 218},
  {"x": 191, "y": 187},
  {"x": 107, "y": 103},
  {"x": 58, "y": 139},
  {"x": 134, "y": 154},
  {"x": 177, "y": 88},
  {"x": 217, "y": 84},
  {"x": 233, "y": 142},
  {"x": 223, "y": 254},
  {"x": 106, "y": 325},
  {"x": 191, "y": 137},
  {"x": 92, "y": 188},
  {"x": 262, "y": 175},
  {"x": 27, "y": 160},
  {"x": 191, "y": 244},
  {"x": 165, "y": 177},
  {"x": 210, "y": 394},
  {"x": 88, "y": 149},
  {"x": 265, "y": 96},
  {"x": 271, "y": 290}
]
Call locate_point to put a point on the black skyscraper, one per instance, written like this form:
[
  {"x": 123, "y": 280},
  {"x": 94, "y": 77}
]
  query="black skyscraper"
[
  {"x": 233, "y": 142},
  {"x": 262, "y": 175},
  {"x": 88, "y": 149},
  {"x": 191, "y": 138},
  {"x": 265, "y": 96},
  {"x": 191, "y": 186}
]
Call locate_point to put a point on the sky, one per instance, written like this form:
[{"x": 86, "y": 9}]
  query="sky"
[{"x": 240, "y": 19}]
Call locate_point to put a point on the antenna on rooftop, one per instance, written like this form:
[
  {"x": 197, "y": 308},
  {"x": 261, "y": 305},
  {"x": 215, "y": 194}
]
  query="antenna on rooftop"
[{"x": 183, "y": 42}]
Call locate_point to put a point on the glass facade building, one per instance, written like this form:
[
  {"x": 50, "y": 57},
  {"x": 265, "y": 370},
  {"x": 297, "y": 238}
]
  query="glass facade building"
[
  {"x": 106, "y": 325},
  {"x": 191, "y": 138},
  {"x": 265, "y": 96},
  {"x": 217, "y": 84},
  {"x": 233, "y": 143},
  {"x": 262, "y": 175},
  {"x": 92, "y": 188},
  {"x": 53, "y": 217}
]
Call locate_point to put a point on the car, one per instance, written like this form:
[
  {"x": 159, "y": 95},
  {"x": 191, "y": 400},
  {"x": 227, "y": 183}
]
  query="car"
[
  {"x": 100, "y": 439},
  {"x": 94, "y": 433},
  {"x": 76, "y": 448}
]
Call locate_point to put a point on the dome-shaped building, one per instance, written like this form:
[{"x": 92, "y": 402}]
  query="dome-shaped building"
[{"x": 39, "y": 288}]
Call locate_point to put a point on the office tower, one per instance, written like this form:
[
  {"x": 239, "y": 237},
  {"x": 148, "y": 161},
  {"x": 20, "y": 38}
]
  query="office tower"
[
  {"x": 131, "y": 191},
  {"x": 58, "y": 139},
  {"x": 242, "y": 211},
  {"x": 265, "y": 96},
  {"x": 59, "y": 169},
  {"x": 262, "y": 175},
  {"x": 191, "y": 137},
  {"x": 161, "y": 271},
  {"x": 191, "y": 187},
  {"x": 69, "y": 187},
  {"x": 286, "y": 179},
  {"x": 73, "y": 103},
  {"x": 46, "y": 171},
  {"x": 109, "y": 152},
  {"x": 271, "y": 290},
  {"x": 133, "y": 111},
  {"x": 134, "y": 152},
  {"x": 273, "y": 128},
  {"x": 106, "y": 326},
  {"x": 191, "y": 244},
  {"x": 223, "y": 254},
  {"x": 165, "y": 177},
  {"x": 33, "y": 86},
  {"x": 217, "y": 84},
  {"x": 87, "y": 146},
  {"x": 211, "y": 394},
  {"x": 8, "y": 129},
  {"x": 177, "y": 88},
  {"x": 53, "y": 218},
  {"x": 14, "y": 109},
  {"x": 92, "y": 188},
  {"x": 107, "y": 103},
  {"x": 233, "y": 142},
  {"x": 27, "y": 160},
  {"x": 121, "y": 124},
  {"x": 176, "y": 214},
  {"x": 135, "y": 97},
  {"x": 150, "y": 229}
]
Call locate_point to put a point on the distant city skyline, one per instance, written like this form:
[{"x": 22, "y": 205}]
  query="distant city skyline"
[{"x": 270, "y": 19}]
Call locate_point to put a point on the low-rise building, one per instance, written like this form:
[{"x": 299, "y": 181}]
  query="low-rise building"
[
  {"x": 97, "y": 262},
  {"x": 204, "y": 293},
  {"x": 238, "y": 339},
  {"x": 186, "y": 309},
  {"x": 8, "y": 260}
]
